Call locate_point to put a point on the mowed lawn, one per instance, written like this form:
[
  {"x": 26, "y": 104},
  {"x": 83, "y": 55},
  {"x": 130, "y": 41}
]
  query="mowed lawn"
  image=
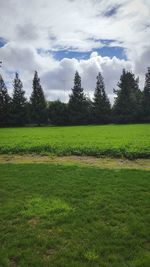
[
  {"x": 131, "y": 141},
  {"x": 72, "y": 216}
]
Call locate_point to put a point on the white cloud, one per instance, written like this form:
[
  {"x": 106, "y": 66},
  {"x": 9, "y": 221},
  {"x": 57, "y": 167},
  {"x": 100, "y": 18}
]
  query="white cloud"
[
  {"x": 74, "y": 23},
  {"x": 57, "y": 76},
  {"x": 78, "y": 25}
]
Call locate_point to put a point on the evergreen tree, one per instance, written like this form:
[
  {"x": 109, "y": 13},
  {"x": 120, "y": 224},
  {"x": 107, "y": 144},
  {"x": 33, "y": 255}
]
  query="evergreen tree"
[
  {"x": 38, "y": 102},
  {"x": 58, "y": 113},
  {"x": 19, "y": 103},
  {"x": 146, "y": 97},
  {"x": 4, "y": 104},
  {"x": 77, "y": 105},
  {"x": 127, "y": 103},
  {"x": 101, "y": 104},
  {"x": 89, "y": 111}
]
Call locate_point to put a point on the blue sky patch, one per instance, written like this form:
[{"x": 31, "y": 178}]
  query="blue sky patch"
[
  {"x": 2, "y": 42},
  {"x": 104, "y": 51},
  {"x": 107, "y": 41},
  {"x": 111, "y": 12},
  {"x": 109, "y": 51}
]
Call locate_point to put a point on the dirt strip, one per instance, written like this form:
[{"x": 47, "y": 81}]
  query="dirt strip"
[{"x": 110, "y": 163}]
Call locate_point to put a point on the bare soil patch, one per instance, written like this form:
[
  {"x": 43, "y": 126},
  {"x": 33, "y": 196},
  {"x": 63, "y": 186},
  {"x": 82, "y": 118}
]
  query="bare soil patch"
[{"x": 104, "y": 162}]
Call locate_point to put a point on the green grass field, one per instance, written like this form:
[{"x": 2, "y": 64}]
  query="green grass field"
[
  {"x": 131, "y": 141},
  {"x": 70, "y": 216},
  {"x": 67, "y": 214}
]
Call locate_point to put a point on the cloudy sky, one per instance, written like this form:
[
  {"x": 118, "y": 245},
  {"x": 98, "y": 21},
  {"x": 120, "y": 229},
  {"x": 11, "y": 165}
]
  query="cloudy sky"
[{"x": 58, "y": 37}]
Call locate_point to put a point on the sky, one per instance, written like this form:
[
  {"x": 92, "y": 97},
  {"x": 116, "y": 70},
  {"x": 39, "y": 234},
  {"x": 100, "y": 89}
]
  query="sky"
[{"x": 56, "y": 38}]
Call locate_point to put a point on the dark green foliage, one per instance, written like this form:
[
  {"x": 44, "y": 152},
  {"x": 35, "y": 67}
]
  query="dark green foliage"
[
  {"x": 38, "y": 103},
  {"x": 146, "y": 97},
  {"x": 78, "y": 104},
  {"x": 19, "y": 104},
  {"x": 127, "y": 103},
  {"x": 58, "y": 113},
  {"x": 131, "y": 105},
  {"x": 101, "y": 104},
  {"x": 4, "y": 104},
  {"x": 89, "y": 111},
  {"x": 70, "y": 216}
]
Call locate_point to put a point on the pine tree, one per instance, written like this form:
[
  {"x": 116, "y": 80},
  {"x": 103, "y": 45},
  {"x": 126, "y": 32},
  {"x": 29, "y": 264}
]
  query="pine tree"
[
  {"x": 77, "y": 105},
  {"x": 4, "y": 104},
  {"x": 19, "y": 103},
  {"x": 146, "y": 97},
  {"x": 101, "y": 104},
  {"x": 127, "y": 103},
  {"x": 38, "y": 102}
]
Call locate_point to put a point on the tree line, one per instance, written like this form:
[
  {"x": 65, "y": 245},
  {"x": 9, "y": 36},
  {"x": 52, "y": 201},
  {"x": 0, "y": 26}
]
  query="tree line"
[{"x": 131, "y": 105}]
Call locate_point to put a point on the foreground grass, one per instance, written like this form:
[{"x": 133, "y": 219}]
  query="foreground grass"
[
  {"x": 130, "y": 141},
  {"x": 71, "y": 216}
]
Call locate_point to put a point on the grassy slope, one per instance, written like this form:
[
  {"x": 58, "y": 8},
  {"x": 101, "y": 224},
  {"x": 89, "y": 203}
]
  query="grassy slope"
[
  {"x": 53, "y": 215},
  {"x": 130, "y": 141}
]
